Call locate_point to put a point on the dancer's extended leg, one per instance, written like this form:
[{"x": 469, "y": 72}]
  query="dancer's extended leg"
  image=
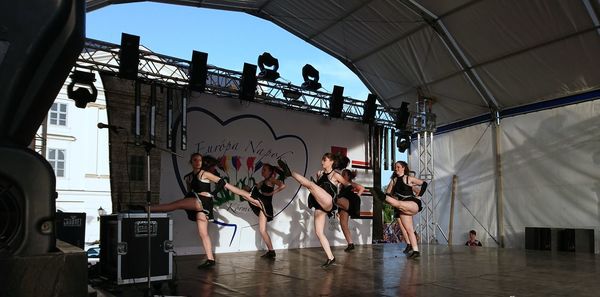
[
  {"x": 246, "y": 196},
  {"x": 322, "y": 197},
  {"x": 185, "y": 203}
]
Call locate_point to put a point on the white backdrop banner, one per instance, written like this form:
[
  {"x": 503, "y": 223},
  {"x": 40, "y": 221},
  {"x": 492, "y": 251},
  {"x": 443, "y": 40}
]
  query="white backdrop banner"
[{"x": 244, "y": 136}]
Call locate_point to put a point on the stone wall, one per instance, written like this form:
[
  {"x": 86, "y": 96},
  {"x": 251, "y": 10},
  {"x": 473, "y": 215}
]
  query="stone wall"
[{"x": 127, "y": 186}]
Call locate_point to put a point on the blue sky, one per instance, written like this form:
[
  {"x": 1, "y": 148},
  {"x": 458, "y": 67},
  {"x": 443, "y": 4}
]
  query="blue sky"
[{"x": 229, "y": 38}]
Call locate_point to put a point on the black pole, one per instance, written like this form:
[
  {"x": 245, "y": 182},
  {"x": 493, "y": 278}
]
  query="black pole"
[
  {"x": 377, "y": 205},
  {"x": 148, "y": 147}
]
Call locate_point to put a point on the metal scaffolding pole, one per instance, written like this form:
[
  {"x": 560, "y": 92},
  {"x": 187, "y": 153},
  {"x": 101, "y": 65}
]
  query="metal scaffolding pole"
[{"x": 423, "y": 125}]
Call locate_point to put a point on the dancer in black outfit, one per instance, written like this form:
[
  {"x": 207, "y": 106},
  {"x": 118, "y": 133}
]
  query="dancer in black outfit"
[
  {"x": 198, "y": 202},
  {"x": 400, "y": 195},
  {"x": 348, "y": 202},
  {"x": 264, "y": 192},
  {"x": 322, "y": 194}
]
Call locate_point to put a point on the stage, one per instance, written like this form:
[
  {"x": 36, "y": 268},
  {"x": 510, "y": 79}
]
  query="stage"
[{"x": 383, "y": 270}]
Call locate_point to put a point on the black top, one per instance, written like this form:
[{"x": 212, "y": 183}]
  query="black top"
[
  {"x": 197, "y": 184},
  {"x": 264, "y": 188},
  {"x": 401, "y": 189},
  {"x": 325, "y": 183}
]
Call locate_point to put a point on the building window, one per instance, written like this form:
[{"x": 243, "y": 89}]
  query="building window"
[
  {"x": 56, "y": 158},
  {"x": 136, "y": 168},
  {"x": 58, "y": 114}
]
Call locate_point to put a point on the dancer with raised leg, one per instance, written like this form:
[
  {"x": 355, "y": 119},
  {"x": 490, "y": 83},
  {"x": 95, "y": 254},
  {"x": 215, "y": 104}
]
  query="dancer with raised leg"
[
  {"x": 400, "y": 195},
  {"x": 348, "y": 202},
  {"x": 198, "y": 202},
  {"x": 322, "y": 195},
  {"x": 264, "y": 192}
]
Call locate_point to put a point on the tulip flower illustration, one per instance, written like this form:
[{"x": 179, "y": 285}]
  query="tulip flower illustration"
[
  {"x": 223, "y": 163},
  {"x": 258, "y": 166},
  {"x": 237, "y": 164},
  {"x": 250, "y": 164}
]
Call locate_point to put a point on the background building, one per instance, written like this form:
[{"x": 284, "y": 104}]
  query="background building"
[{"x": 78, "y": 153}]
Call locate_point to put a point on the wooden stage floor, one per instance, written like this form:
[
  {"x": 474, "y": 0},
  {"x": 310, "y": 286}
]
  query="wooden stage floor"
[{"x": 383, "y": 270}]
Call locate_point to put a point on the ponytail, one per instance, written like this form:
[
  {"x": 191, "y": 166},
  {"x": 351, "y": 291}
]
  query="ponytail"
[{"x": 351, "y": 174}]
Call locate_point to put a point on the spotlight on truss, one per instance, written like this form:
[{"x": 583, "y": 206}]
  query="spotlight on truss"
[
  {"x": 311, "y": 78},
  {"x": 269, "y": 74}
]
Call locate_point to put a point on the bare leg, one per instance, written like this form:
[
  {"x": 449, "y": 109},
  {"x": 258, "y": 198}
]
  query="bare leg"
[
  {"x": 344, "y": 217},
  {"x": 244, "y": 194},
  {"x": 407, "y": 222},
  {"x": 184, "y": 203},
  {"x": 202, "y": 223},
  {"x": 322, "y": 197},
  {"x": 319, "y": 228},
  {"x": 403, "y": 230},
  {"x": 262, "y": 228},
  {"x": 344, "y": 204},
  {"x": 406, "y": 207}
]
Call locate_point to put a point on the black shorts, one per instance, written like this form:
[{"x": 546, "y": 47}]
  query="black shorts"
[
  {"x": 207, "y": 205},
  {"x": 414, "y": 199},
  {"x": 267, "y": 202},
  {"x": 354, "y": 202}
]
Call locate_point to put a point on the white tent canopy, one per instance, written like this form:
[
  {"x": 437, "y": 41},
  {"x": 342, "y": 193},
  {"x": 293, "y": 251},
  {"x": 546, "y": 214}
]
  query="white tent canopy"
[
  {"x": 477, "y": 60},
  {"x": 473, "y": 57}
]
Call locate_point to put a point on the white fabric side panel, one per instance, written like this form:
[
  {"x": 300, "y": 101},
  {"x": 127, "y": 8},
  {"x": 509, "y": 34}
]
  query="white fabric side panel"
[
  {"x": 226, "y": 127},
  {"x": 466, "y": 153},
  {"x": 551, "y": 162}
]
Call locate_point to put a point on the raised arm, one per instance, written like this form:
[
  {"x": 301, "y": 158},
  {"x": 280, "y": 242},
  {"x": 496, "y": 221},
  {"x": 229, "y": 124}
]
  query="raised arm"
[
  {"x": 188, "y": 181},
  {"x": 340, "y": 179},
  {"x": 211, "y": 177},
  {"x": 215, "y": 179},
  {"x": 279, "y": 186},
  {"x": 390, "y": 186}
]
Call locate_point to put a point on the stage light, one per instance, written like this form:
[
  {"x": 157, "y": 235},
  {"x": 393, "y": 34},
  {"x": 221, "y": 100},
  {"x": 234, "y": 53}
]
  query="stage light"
[
  {"x": 291, "y": 94},
  {"x": 82, "y": 89},
  {"x": 403, "y": 142},
  {"x": 311, "y": 78},
  {"x": 266, "y": 60}
]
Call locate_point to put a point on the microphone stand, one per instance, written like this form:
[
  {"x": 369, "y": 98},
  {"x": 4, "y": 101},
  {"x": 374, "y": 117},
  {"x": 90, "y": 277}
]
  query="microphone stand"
[{"x": 148, "y": 147}]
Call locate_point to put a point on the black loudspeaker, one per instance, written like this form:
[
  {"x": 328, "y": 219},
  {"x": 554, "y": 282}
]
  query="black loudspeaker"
[
  {"x": 248, "y": 83},
  {"x": 26, "y": 212},
  {"x": 336, "y": 103},
  {"x": 370, "y": 108},
  {"x": 402, "y": 117},
  {"x": 70, "y": 227},
  {"x": 129, "y": 56},
  {"x": 198, "y": 71},
  {"x": 538, "y": 238}
]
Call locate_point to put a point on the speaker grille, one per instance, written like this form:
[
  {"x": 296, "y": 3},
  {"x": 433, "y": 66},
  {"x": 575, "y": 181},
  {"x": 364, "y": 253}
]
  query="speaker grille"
[{"x": 11, "y": 216}]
